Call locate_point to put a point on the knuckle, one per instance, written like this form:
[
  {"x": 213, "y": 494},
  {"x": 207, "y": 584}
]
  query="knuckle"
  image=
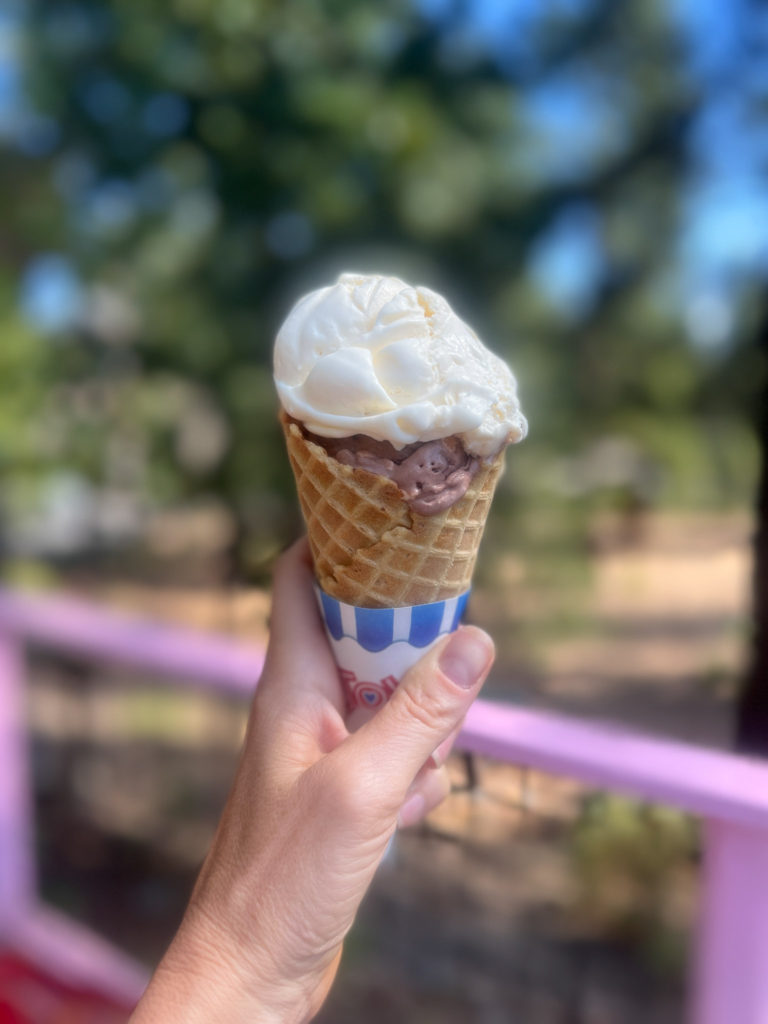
[
  {"x": 435, "y": 788},
  {"x": 428, "y": 709}
]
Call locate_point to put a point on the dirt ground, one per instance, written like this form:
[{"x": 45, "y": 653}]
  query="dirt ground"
[
  {"x": 483, "y": 914},
  {"x": 659, "y": 643}
]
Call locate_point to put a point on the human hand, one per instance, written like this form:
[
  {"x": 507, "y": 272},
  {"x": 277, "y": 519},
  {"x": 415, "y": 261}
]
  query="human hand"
[{"x": 308, "y": 819}]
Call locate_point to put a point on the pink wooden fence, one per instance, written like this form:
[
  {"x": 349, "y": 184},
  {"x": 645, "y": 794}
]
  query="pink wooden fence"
[{"x": 729, "y": 972}]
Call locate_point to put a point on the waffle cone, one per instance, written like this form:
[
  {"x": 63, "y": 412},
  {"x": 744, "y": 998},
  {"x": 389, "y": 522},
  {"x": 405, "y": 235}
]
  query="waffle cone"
[{"x": 369, "y": 549}]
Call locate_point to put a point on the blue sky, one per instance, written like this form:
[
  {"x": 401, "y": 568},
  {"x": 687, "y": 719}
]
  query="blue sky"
[{"x": 9, "y": 74}]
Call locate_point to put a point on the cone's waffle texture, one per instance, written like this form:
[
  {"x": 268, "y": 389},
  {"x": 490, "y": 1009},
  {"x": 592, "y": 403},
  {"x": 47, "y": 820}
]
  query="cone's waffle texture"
[{"x": 370, "y": 550}]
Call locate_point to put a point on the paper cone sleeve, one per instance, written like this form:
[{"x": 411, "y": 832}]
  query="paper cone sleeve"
[{"x": 369, "y": 549}]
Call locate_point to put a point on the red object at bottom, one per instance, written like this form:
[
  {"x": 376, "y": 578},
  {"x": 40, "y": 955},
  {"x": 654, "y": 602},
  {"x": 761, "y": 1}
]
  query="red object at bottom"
[{"x": 29, "y": 996}]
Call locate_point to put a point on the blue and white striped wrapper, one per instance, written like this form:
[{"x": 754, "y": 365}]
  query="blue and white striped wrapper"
[{"x": 375, "y": 647}]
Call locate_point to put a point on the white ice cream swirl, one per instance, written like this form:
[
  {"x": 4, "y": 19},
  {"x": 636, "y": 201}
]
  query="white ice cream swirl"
[{"x": 372, "y": 355}]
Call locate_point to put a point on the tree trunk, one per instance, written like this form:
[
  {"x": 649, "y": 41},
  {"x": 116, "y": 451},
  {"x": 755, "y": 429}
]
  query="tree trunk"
[{"x": 752, "y": 710}]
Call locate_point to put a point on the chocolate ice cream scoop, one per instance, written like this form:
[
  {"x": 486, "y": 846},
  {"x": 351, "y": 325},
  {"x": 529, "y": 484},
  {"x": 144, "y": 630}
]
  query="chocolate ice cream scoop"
[{"x": 432, "y": 475}]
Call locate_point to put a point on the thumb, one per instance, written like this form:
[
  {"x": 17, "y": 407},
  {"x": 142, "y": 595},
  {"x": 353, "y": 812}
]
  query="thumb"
[{"x": 427, "y": 706}]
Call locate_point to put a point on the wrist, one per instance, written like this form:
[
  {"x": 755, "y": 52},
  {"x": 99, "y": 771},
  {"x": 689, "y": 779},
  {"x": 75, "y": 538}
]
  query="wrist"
[{"x": 198, "y": 983}]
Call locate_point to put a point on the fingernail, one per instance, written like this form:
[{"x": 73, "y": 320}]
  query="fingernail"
[
  {"x": 411, "y": 811},
  {"x": 466, "y": 657},
  {"x": 439, "y": 756}
]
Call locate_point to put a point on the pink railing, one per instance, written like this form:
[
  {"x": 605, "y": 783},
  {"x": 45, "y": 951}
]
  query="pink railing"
[{"x": 729, "y": 973}]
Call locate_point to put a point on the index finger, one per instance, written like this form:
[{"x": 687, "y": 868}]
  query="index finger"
[{"x": 299, "y": 652}]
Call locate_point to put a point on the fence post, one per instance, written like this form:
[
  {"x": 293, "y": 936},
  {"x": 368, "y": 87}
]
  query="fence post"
[
  {"x": 730, "y": 969},
  {"x": 17, "y": 873}
]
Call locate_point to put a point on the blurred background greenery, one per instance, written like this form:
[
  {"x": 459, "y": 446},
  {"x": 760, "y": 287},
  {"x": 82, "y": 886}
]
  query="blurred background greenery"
[{"x": 586, "y": 180}]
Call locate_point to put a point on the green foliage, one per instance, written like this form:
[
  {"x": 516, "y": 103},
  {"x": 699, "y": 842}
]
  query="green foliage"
[
  {"x": 217, "y": 159},
  {"x": 634, "y": 868},
  {"x": 25, "y": 372}
]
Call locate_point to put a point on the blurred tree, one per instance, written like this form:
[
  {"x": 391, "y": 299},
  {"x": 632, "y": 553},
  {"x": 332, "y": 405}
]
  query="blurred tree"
[
  {"x": 211, "y": 161},
  {"x": 752, "y": 709},
  {"x": 752, "y": 714}
]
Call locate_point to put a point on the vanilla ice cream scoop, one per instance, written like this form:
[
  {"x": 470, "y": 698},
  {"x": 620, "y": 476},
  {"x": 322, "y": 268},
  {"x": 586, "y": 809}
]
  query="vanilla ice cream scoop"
[{"x": 373, "y": 355}]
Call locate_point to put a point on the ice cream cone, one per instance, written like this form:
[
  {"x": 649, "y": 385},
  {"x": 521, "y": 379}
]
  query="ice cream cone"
[
  {"x": 396, "y": 419},
  {"x": 370, "y": 550}
]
